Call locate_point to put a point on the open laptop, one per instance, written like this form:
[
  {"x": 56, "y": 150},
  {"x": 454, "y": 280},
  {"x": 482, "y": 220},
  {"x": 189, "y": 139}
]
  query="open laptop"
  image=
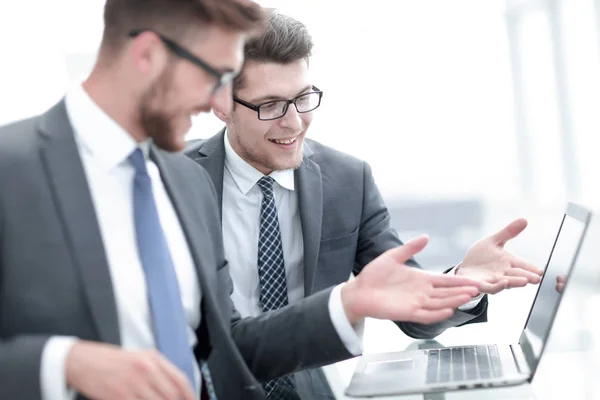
[{"x": 477, "y": 366}]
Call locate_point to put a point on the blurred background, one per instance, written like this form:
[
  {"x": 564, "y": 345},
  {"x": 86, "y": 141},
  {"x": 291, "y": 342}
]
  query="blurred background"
[{"x": 471, "y": 113}]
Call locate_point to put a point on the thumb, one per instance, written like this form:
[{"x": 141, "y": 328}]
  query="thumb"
[
  {"x": 510, "y": 231},
  {"x": 403, "y": 253}
]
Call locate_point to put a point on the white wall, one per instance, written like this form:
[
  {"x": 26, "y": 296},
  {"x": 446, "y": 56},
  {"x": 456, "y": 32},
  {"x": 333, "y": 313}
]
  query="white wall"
[{"x": 421, "y": 89}]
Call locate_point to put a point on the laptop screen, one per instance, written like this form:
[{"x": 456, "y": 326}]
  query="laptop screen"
[{"x": 560, "y": 263}]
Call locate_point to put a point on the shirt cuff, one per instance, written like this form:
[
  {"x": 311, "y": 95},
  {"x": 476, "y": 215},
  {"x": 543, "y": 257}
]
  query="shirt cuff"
[
  {"x": 350, "y": 335},
  {"x": 474, "y": 301},
  {"x": 53, "y": 379}
]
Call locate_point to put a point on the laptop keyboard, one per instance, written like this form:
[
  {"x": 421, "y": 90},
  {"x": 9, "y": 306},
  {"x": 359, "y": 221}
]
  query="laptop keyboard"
[{"x": 463, "y": 363}]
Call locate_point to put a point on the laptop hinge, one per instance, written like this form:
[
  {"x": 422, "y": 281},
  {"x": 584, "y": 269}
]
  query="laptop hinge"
[{"x": 520, "y": 359}]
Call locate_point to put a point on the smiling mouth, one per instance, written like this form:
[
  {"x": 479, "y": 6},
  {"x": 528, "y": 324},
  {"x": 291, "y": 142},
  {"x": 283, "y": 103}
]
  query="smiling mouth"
[{"x": 284, "y": 141}]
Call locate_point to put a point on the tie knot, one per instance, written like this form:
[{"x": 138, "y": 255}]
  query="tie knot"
[
  {"x": 266, "y": 186},
  {"x": 138, "y": 161}
]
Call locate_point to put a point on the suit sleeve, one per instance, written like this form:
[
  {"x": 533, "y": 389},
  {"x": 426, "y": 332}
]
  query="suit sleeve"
[
  {"x": 377, "y": 236},
  {"x": 296, "y": 337},
  {"x": 20, "y": 356},
  {"x": 20, "y": 362}
]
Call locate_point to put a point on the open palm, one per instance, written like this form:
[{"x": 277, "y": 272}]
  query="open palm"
[
  {"x": 493, "y": 267},
  {"x": 388, "y": 289}
]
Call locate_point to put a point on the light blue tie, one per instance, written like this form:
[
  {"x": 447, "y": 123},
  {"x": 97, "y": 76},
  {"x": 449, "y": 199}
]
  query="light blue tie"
[{"x": 168, "y": 316}]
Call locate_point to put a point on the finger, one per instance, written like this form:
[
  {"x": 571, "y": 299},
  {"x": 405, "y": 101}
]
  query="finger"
[
  {"x": 183, "y": 387},
  {"x": 492, "y": 288},
  {"x": 530, "y": 276},
  {"x": 515, "y": 281},
  {"x": 163, "y": 386},
  {"x": 447, "y": 302},
  {"x": 444, "y": 280},
  {"x": 454, "y": 291},
  {"x": 518, "y": 263},
  {"x": 150, "y": 383},
  {"x": 560, "y": 287},
  {"x": 561, "y": 279},
  {"x": 147, "y": 391},
  {"x": 157, "y": 384},
  {"x": 510, "y": 231},
  {"x": 430, "y": 316},
  {"x": 403, "y": 253}
]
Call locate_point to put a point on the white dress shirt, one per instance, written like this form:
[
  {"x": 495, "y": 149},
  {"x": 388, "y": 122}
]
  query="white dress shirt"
[
  {"x": 242, "y": 199},
  {"x": 104, "y": 148}
]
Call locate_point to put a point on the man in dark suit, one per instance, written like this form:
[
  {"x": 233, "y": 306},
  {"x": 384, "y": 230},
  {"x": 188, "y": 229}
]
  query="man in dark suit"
[
  {"x": 113, "y": 279},
  {"x": 332, "y": 219}
]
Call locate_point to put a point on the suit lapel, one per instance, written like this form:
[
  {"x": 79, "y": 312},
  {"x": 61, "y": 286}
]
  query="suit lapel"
[
  {"x": 188, "y": 213},
  {"x": 211, "y": 156},
  {"x": 70, "y": 188},
  {"x": 310, "y": 200},
  {"x": 310, "y": 197}
]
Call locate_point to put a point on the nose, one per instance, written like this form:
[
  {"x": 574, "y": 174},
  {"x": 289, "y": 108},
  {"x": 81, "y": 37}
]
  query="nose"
[
  {"x": 222, "y": 99},
  {"x": 291, "y": 119}
]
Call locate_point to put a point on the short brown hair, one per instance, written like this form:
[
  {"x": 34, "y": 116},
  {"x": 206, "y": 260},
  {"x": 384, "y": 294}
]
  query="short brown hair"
[
  {"x": 284, "y": 40},
  {"x": 173, "y": 17}
]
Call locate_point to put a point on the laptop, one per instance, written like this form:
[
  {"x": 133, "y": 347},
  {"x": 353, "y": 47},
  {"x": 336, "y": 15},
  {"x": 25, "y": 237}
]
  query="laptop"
[{"x": 478, "y": 366}]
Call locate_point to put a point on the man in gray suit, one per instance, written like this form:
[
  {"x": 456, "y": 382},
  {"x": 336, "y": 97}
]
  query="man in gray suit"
[
  {"x": 113, "y": 279},
  {"x": 332, "y": 219}
]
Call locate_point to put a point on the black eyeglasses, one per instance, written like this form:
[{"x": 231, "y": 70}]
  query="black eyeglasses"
[
  {"x": 275, "y": 109},
  {"x": 223, "y": 78}
]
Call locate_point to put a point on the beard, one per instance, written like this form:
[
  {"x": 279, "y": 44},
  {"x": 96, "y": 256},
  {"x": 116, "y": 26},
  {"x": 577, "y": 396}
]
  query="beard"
[
  {"x": 266, "y": 161},
  {"x": 156, "y": 122}
]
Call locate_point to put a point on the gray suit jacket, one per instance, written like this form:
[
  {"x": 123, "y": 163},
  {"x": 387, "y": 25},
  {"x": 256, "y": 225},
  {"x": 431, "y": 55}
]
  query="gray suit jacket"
[
  {"x": 345, "y": 222},
  {"x": 54, "y": 277}
]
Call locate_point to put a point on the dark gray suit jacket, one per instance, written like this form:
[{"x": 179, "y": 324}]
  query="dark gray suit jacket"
[
  {"x": 345, "y": 222},
  {"x": 55, "y": 280}
]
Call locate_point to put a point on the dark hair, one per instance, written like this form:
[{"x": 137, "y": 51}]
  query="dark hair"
[
  {"x": 284, "y": 40},
  {"x": 173, "y": 17}
]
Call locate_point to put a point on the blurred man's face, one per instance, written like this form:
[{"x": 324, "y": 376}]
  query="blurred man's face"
[
  {"x": 184, "y": 89},
  {"x": 275, "y": 144}
]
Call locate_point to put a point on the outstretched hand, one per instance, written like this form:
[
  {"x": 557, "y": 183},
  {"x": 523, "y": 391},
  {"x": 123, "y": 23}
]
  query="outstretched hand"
[
  {"x": 496, "y": 269},
  {"x": 388, "y": 289}
]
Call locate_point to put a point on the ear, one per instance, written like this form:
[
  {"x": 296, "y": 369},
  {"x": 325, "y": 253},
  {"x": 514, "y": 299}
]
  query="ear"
[
  {"x": 149, "y": 55},
  {"x": 221, "y": 114}
]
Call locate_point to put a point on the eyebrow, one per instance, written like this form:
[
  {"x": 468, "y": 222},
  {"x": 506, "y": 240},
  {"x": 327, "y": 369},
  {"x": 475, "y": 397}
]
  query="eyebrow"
[{"x": 273, "y": 97}]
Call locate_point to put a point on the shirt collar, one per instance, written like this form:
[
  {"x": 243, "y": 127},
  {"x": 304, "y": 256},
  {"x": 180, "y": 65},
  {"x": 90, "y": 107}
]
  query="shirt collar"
[
  {"x": 246, "y": 176},
  {"x": 97, "y": 132}
]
